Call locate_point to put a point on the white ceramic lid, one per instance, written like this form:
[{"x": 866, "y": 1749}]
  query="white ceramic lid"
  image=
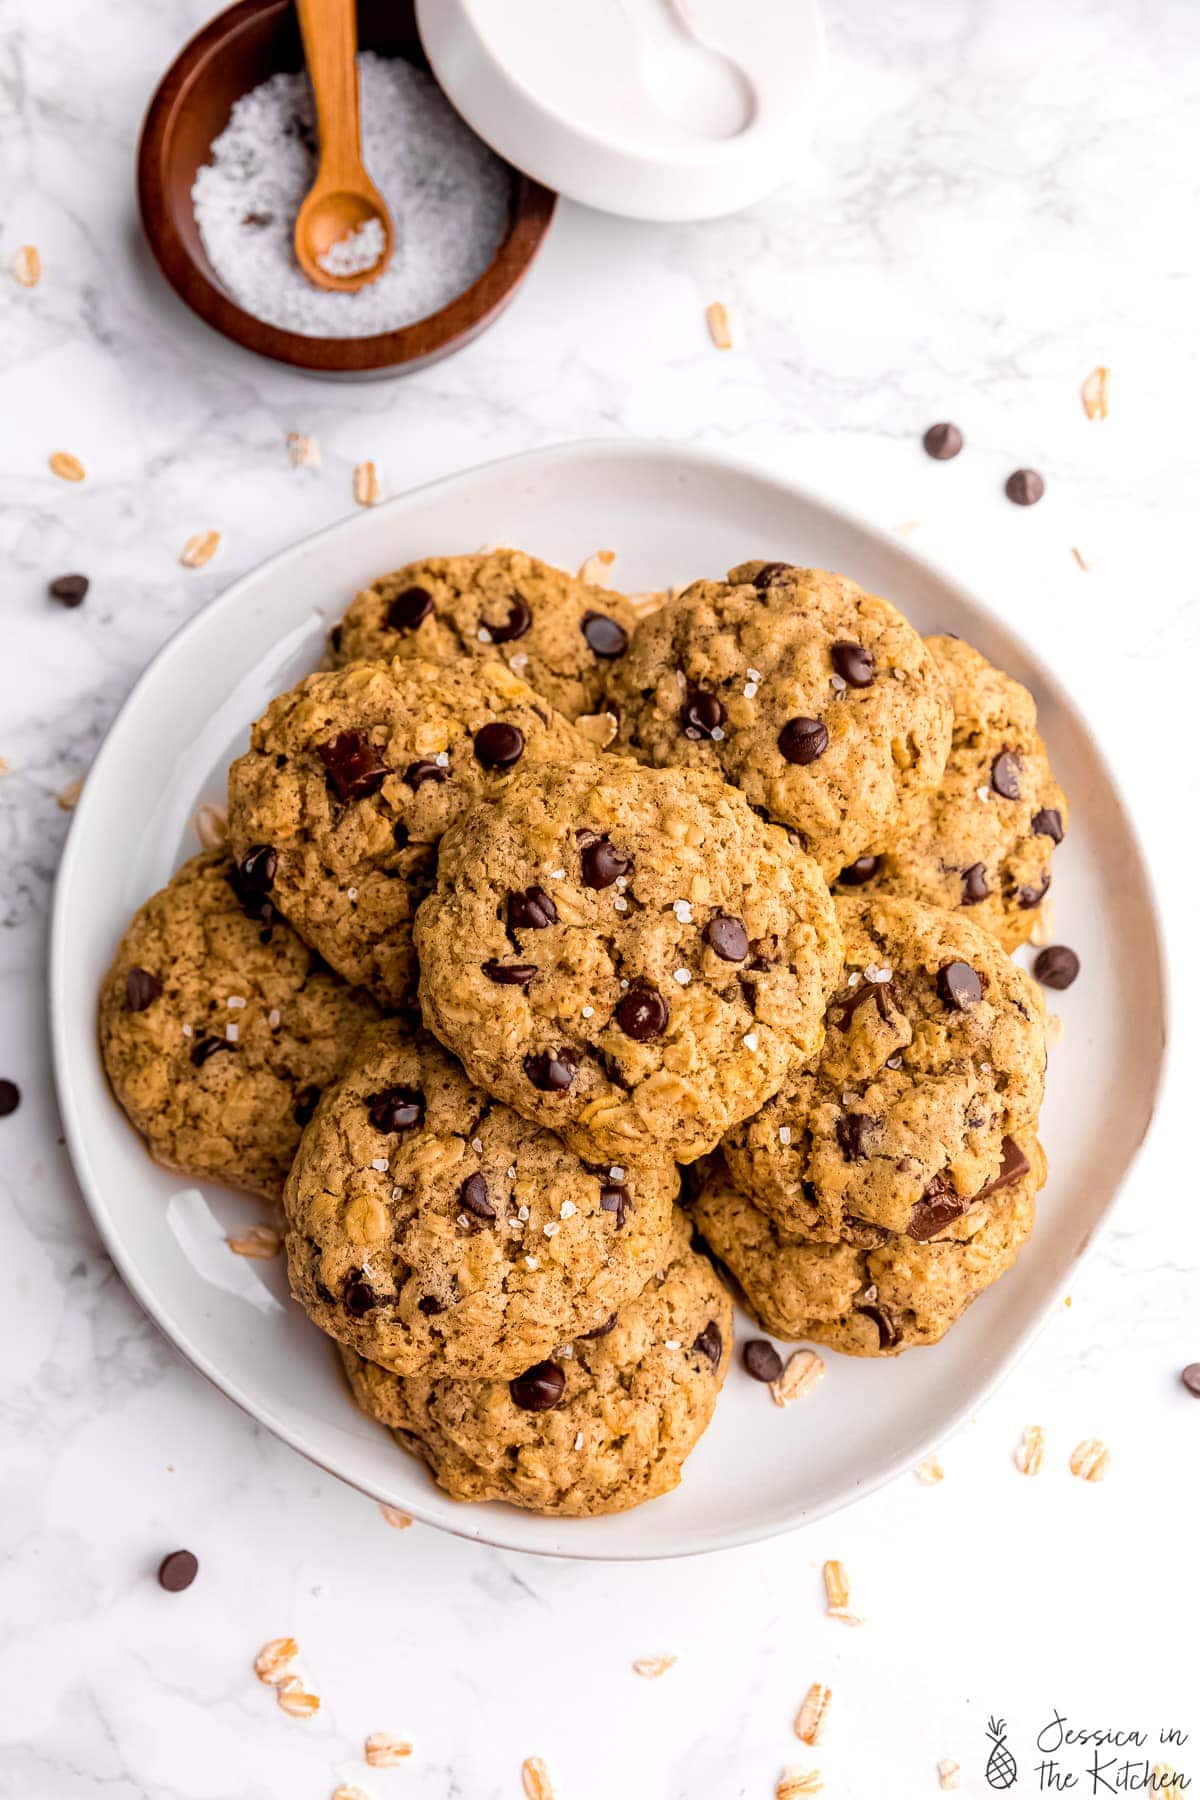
[{"x": 657, "y": 109}]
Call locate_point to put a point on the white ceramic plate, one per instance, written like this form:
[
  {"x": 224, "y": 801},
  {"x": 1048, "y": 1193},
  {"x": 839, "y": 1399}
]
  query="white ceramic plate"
[{"x": 674, "y": 514}]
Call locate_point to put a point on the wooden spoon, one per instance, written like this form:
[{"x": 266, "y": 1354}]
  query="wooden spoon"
[{"x": 343, "y": 198}]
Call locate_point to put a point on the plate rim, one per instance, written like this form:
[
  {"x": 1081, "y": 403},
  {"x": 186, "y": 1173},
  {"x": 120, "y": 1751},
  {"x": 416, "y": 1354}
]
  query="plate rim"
[{"x": 546, "y": 457}]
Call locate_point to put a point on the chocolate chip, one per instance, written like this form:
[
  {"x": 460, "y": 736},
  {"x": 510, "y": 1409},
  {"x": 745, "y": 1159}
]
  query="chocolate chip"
[
  {"x": 1028, "y": 897},
  {"x": 177, "y": 1571},
  {"x": 884, "y": 1322},
  {"x": 854, "y": 663},
  {"x": 354, "y": 766},
  {"x": 701, "y": 714},
  {"x": 615, "y": 1199},
  {"x": 499, "y": 746},
  {"x": 207, "y": 1046},
  {"x": 515, "y": 626},
  {"x": 601, "y": 1330},
  {"x": 1006, "y": 775},
  {"x": 418, "y": 773},
  {"x": 400, "y": 834},
  {"x": 552, "y": 1072},
  {"x": 306, "y": 1104},
  {"x": 70, "y": 590},
  {"x": 1025, "y": 487},
  {"x": 803, "y": 740},
  {"x": 430, "y": 1305},
  {"x": 1047, "y": 822},
  {"x": 860, "y": 871},
  {"x": 600, "y": 864},
  {"x": 539, "y": 1389},
  {"x": 727, "y": 938},
  {"x": 335, "y": 640},
  {"x": 761, "y": 1360},
  {"x": 770, "y": 573},
  {"x": 531, "y": 910},
  {"x": 975, "y": 886},
  {"x": 10, "y": 1098},
  {"x": 509, "y": 974},
  {"x": 852, "y": 1131},
  {"x": 410, "y": 606},
  {"x": 959, "y": 987},
  {"x": 474, "y": 1195},
  {"x": 844, "y": 1005},
  {"x": 257, "y": 869},
  {"x": 358, "y": 1297},
  {"x": 938, "y": 1207},
  {"x": 395, "y": 1108},
  {"x": 141, "y": 990},
  {"x": 709, "y": 1342},
  {"x": 1013, "y": 1165},
  {"x": 1190, "y": 1378},
  {"x": 943, "y": 441},
  {"x": 1056, "y": 967},
  {"x": 605, "y": 637},
  {"x": 642, "y": 1014}
]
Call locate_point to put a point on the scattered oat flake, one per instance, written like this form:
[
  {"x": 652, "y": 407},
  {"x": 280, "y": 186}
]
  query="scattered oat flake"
[
  {"x": 1094, "y": 393},
  {"x": 295, "y": 1699},
  {"x": 794, "y": 1783},
  {"x": 719, "y": 328},
  {"x": 5, "y": 765},
  {"x": 368, "y": 489},
  {"x": 837, "y": 1586},
  {"x": 384, "y": 1750},
  {"x": 274, "y": 1661},
  {"x": 1168, "y": 1782},
  {"x": 200, "y": 549},
  {"x": 650, "y": 600},
  {"x": 596, "y": 567},
  {"x": 211, "y": 826},
  {"x": 27, "y": 266},
  {"x": 1031, "y": 1451},
  {"x": 598, "y": 728},
  {"x": 654, "y": 1666},
  {"x": 948, "y": 1773},
  {"x": 1043, "y": 924},
  {"x": 348, "y": 1791},
  {"x": 810, "y": 1720},
  {"x": 1080, "y": 558},
  {"x": 305, "y": 452},
  {"x": 66, "y": 466},
  {"x": 1054, "y": 1030},
  {"x": 399, "y": 1521},
  {"x": 930, "y": 1472},
  {"x": 1090, "y": 1460},
  {"x": 259, "y": 1242},
  {"x": 67, "y": 799},
  {"x": 802, "y": 1372},
  {"x": 535, "y": 1779}
]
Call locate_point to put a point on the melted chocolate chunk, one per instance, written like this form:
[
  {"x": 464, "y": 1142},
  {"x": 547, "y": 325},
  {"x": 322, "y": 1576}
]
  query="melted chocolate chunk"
[
  {"x": 552, "y": 1072},
  {"x": 418, "y": 773},
  {"x": 1056, "y": 966},
  {"x": 727, "y": 938},
  {"x": 395, "y": 1108},
  {"x": 141, "y": 990},
  {"x": 959, "y": 987},
  {"x": 474, "y": 1197},
  {"x": 509, "y": 974},
  {"x": 843, "y": 1006},
  {"x": 884, "y": 1322},
  {"x": 1006, "y": 775},
  {"x": 519, "y": 619},
  {"x": 354, "y": 767},
  {"x": 358, "y": 1296},
  {"x": 701, "y": 714},
  {"x": 1047, "y": 822},
  {"x": 600, "y": 864},
  {"x": 938, "y": 1207},
  {"x": 539, "y": 1389},
  {"x": 761, "y": 1360},
  {"x": 499, "y": 745},
  {"x": 860, "y": 871},
  {"x": 854, "y": 663},
  {"x": 410, "y": 606},
  {"x": 642, "y": 1014},
  {"x": 306, "y": 1104},
  {"x": 1028, "y": 897},
  {"x": 531, "y": 910},
  {"x": 770, "y": 573},
  {"x": 614, "y": 1198},
  {"x": 803, "y": 740},
  {"x": 601, "y": 1330},
  {"x": 1013, "y": 1165},
  {"x": 975, "y": 885},
  {"x": 710, "y": 1343},
  {"x": 207, "y": 1046},
  {"x": 852, "y": 1131},
  {"x": 604, "y": 636}
]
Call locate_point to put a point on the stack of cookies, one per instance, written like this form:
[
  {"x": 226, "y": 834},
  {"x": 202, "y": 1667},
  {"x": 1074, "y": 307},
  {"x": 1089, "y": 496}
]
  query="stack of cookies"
[{"x": 526, "y": 902}]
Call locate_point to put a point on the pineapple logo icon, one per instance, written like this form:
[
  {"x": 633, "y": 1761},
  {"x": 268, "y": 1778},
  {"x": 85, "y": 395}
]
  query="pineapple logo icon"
[{"x": 1001, "y": 1768}]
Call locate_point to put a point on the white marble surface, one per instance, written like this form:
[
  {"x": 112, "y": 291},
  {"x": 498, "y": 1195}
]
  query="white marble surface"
[{"x": 1000, "y": 197}]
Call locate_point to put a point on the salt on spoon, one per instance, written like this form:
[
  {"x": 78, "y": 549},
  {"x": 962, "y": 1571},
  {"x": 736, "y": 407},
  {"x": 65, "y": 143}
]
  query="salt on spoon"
[{"x": 343, "y": 235}]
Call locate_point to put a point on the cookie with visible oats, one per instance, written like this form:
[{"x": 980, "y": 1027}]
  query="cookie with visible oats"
[
  {"x": 818, "y": 700},
  {"x": 351, "y": 779},
  {"x": 602, "y": 1426},
  {"x": 431, "y": 1229},
  {"x": 932, "y": 1065},
  {"x": 882, "y": 1294},
  {"x": 560, "y": 634},
  {"x": 219, "y": 1028},
  {"x": 629, "y": 956},
  {"x": 983, "y": 837}
]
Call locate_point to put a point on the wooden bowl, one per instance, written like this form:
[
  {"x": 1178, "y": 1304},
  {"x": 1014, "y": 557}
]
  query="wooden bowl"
[{"x": 235, "y": 51}]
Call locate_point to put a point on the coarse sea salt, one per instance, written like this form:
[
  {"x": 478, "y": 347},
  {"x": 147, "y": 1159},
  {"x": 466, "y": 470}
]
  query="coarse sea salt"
[{"x": 447, "y": 193}]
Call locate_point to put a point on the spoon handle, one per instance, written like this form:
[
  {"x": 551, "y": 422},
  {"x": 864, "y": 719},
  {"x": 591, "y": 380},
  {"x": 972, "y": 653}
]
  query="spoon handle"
[{"x": 329, "y": 30}]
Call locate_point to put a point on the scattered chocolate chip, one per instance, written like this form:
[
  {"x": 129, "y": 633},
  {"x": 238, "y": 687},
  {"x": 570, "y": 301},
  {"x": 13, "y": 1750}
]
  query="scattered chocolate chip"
[
  {"x": 1006, "y": 775},
  {"x": 70, "y": 590},
  {"x": 1047, "y": 822},
  {"x": 605, "y": 637},
  {"x": 770, "y": 573},
  {"x": 602, "y": 1330},
  {"x": 1013, "y": 1165},
  {"x": 519, "y": 619},
  {"x": 975, "y": 886},
  {"x": 642, "y": 1014},
  {"x": 860, "y": 871},
  {"x": 10, "y": 1098},
  {"x": 1056, "y": 967},
  {"x": 761, "y": 1360},
  {"x": 803, "y": 740},
  {"x": 418, "y": 773},
  {"x": 938, "y": 1207},
  {"x": 852, "y": 1131},
  {"x": 531, "y": 910},
  {"x": 1029, "y": 897},
  {"x": 1190, "y": 1378},
  {"x": 942, "y": 441},
  {"x": 207, "y": 1046},
  {"x": 539, "y": 1389},
  {"x": 410, "y": 606},
  {"x": 959, "y": 987},
  {"x": 552, "y": 1072},
  {"x": 429, "y": 1304},
  {"x": 614, "y": 1198},
  {"x": 358, "y": 1297},
  {"x": 1025, "y": 487},
  {"x": 600, "y": 864},
  {"x": 306, "y": 1104},
  {"x": 474, "y": 1195},
  {"x": 884, "y": 1322},
  {"x": 710, "y": 1343},
  {"x": 727, "y": 938},
  {"x": 509, "y": 974},
  {"x": 499, "y": 745},
  {"x": 354, "y": 766},
  {"x": 141, "y": 990},
  {"x": 854, "y": 663},
  {"x": 177, "y": 1571},
  {"x": 701, "y": 714},
  {"x": 395, "y": 1108}
]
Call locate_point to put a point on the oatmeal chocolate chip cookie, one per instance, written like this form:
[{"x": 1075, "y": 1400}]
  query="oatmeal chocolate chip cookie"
[
  {"x": 818, "y": 700},
  {"x": 352, "y": 778},
  {"x": 430, "y": 1228},
  {"x": 983, "y": 838},
  {"x": 629, "y": 956},
  {"x": 882, "y": 1295},
  {"x": 560, "y": 634},
  {"x": 600, "y": 1426},
  {"x": 933, "y": 1061},
  {"x": 219, "y": 1027}
]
